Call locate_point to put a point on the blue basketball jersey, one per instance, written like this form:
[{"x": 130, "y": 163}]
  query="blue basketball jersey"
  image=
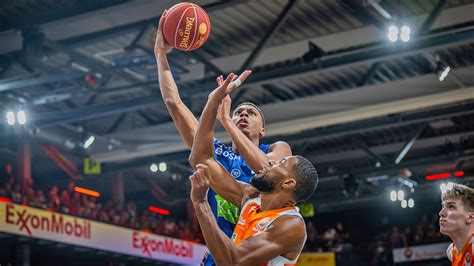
[{"x": 227, "y": 214}]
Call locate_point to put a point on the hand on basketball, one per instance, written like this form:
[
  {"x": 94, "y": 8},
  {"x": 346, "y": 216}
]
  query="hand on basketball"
[
  {"x": 200, "y": 183},
  {"x": 161, "y": 46}
]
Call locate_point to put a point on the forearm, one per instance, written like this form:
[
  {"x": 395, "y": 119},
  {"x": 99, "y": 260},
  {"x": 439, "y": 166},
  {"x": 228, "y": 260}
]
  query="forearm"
[
  {"x": 183, "y": 118},
  {"x": 168, "y": 88},
  {"x": 221, "y": 247},
  {"x": 203, "y": 140},
  {"x": 251, "y": 153}
]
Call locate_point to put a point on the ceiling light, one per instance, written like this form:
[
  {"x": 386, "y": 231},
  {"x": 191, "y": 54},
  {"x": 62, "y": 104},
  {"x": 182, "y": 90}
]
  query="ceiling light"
[
  {"x": 400, "y": 195},
  {"x": 11, "y": 118},
  {"x": 89, "y": 142},
  {"x": 393, "y": 195},
  {"x": 404, "y": 204},
  {"x": 405, "y": 34},
  {"x": 393, "y": 33},
  {"x": 154, "y": 167},
  {"x": 21, "y": 117},
  {"x": 162, "y": 167}
]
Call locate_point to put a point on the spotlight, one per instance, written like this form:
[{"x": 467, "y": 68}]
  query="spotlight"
[
  {"x": 411, "y": 203},
  {"x": 154, "y": 167},
  {"x": 393, "y": 195},
  {"x": 21, "y": 117},
  {"x": 443, "y": 72},
  {"x": 400, "y": 195},
  {"x": 69, "y": 144},
  {"x": 405, "y": 34},
  {"x": 11, "y": 118},
  {"x": 89, "y": 142},
  {"x": 393, "y": 33},
  {"x": 162, "y": 167},
  {"x": 404, "y": 204}
]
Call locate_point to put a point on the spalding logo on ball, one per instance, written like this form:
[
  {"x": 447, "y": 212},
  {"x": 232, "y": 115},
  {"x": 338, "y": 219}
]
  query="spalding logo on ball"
[{"x": 186, "y": 26}]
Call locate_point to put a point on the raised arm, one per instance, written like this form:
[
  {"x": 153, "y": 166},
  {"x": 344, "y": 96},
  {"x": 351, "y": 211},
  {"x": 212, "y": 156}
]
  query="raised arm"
[
  {"x": 183, "y": 118},
  {"x": 285, "y": 237},
  {"x": 203, "y": 148},
  {"x": 255, "y": 158}
]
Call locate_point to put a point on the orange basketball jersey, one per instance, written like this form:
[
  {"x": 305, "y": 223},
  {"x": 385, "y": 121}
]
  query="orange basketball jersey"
[
  {"x": 252, "y": 222},
  {"x": 465, "y": 257}
]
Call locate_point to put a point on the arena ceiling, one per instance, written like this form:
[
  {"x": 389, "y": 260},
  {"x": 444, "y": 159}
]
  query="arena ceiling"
[{"x": 328, "y": 80}]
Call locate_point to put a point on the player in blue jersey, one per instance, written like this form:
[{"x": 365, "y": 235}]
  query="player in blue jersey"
[{"x": 245, "y": 127}]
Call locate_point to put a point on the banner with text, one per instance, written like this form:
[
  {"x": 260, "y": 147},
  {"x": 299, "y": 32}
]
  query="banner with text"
[
  {"x": 320, "y": 259},
  {"x": 42, "y": 224},
  {"x": 417, "y": 253}
]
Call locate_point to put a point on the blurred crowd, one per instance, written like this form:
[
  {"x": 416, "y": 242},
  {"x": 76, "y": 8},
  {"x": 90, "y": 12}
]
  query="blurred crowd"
[
  {"x": 334, "y": 238},
  {"x": 68, "y": 201},
  {"x": 331, "y": 238},
  {"x": 425, "y": 232},
  {"x": 374, "y": 248}
]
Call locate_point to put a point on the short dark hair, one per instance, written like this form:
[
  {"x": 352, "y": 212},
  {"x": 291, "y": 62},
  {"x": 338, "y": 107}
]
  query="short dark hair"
[
  {"x": 307, "y": 178},
  {"x": 254, "y": 106}
]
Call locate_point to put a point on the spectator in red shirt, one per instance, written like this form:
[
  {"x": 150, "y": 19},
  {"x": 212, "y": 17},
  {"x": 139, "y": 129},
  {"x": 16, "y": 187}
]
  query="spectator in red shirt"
[{"x": 54, "y": 200}]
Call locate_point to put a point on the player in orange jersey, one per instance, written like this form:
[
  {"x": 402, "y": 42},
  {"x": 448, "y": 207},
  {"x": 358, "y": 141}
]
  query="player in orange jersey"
[
  {"x": 456, "y": 220},
  {"x": 270, "y": 230}
]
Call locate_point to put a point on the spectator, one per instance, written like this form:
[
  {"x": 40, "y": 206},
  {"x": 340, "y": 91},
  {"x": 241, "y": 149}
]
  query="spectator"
[
  {"x": 344, "y": 235},
  {"x": 16, "y": 194},
  {"x": 70, "y": 188},
  {"x": 29, "y": 197},
  {"x": 9, "y": 172},
  {"x": 132, "y": 209},
  {"x": 54, "y": 200},
  {"x": 40, "y": 200},
  {"x": 395, "y": 237},
  {"x": 65, "y": 202},
  {"x": 75, "y": 203}
]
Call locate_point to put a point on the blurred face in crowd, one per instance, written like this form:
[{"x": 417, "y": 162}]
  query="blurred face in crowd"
[
  {"x": 9, "y": 169},
  {"x": 71, "y": 186}
]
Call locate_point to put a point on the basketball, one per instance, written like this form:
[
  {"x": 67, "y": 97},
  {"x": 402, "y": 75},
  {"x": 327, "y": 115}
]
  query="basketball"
[{"x": 186, "y": 26}]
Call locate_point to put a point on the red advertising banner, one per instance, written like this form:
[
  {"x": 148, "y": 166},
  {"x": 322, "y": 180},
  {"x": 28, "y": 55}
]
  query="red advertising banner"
[{"x": 41, "y": 224}]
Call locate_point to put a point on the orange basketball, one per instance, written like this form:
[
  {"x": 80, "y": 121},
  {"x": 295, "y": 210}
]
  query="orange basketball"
[{"x": 186, "y": 26}]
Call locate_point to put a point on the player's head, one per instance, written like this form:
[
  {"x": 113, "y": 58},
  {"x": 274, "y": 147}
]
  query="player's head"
[
  {"x": 249, "y": 119},
  {"x": 293, "y": 174},
  {"x": 457, "y": 209}
]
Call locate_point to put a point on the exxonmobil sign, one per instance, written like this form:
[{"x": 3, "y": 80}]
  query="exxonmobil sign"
[
  {"x": 148, "y": 245},
  {"x": 41, "y": 224},
  {"x": 27, "y": 221}
]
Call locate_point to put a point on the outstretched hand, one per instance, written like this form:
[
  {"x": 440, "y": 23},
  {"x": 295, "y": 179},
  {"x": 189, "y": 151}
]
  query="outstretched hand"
[
  {"x": 200, "y": 183},
  {"x": 229, "y": 85},
  {"x": 236, "y": 81},
  {"x": 161, "y": 45}
]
